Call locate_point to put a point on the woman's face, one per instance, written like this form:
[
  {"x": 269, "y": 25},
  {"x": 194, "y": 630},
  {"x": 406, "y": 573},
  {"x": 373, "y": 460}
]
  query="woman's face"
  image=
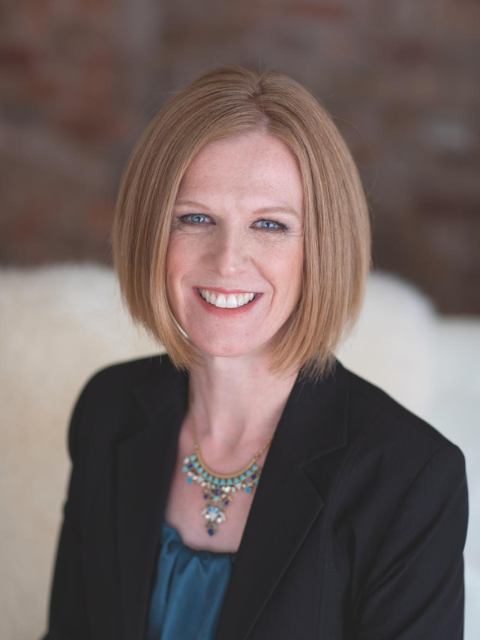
[{"x": 237, "y": 227}]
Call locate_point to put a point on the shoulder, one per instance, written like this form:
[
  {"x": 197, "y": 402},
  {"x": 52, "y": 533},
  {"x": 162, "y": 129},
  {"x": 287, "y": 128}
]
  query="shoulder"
[
  {"x": 374, "y": 414},
  {"x": 397, "y": 477},
  {"x": 107, "y": 404},
  {"x": 113, "y": 390},
  {"x": 114, "y": 387},
  {"x": 389, "y": 446},
  {"x": 124, "y": 376}
]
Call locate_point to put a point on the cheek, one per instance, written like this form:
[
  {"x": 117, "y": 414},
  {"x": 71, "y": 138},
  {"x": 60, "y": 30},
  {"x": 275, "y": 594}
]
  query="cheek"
[
  {"x": 286, "y": 274},
  {"x": 178, "y": 258},
  {"x": 290, "y": 265}
]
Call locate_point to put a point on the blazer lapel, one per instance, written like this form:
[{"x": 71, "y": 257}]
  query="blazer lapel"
[
  {"x": 145, "y": 463},
  {"x": 285, "y": 503}
]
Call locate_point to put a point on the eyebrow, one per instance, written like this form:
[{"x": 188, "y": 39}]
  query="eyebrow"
[{"x": 262, "y": 210}]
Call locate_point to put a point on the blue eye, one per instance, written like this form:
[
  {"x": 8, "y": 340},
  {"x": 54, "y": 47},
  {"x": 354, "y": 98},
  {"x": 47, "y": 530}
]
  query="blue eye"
[
  {"x": 192, "y": 215},
  {"x": 279, "y": 227}
]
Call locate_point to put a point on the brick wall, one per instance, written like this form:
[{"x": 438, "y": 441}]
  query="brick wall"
[{"x": 81, "y": 78}]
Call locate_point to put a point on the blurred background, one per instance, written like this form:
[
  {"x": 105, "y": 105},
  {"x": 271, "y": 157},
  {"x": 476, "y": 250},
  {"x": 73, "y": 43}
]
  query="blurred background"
[{"x": 81, "y": 78}]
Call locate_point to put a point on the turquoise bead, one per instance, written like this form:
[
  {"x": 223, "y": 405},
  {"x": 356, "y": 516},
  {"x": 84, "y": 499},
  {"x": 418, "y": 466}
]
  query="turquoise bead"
[
  {"x": 235, "y": 480},
  {"x": 249, "y": 473},
  {"x": 189, "y": 480},
  {"x": 229, "y": 481},
  {"x": 248, "y": 489},
  {"x": 242, "y": 477},
  {"x": 255, "y": 467},
  {"x": 223, "y": 482},
  {"x": 192, "y": 457},
  {"x": 184, "y": 469},
  {"x": 216, "y": 481}
]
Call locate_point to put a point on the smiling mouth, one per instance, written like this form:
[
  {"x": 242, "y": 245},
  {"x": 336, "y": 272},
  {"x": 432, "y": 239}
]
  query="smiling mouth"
[{"x": 227, "y": 301}]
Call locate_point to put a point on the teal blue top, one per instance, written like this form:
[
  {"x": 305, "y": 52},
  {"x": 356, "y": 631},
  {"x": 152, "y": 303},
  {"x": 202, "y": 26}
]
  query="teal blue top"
[{"x": 189, "y": 590}]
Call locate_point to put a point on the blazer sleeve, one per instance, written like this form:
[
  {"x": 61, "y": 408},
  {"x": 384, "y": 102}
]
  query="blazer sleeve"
[
  {"x": 67, "y": 619},
  {"x": 415, "y": 588}
]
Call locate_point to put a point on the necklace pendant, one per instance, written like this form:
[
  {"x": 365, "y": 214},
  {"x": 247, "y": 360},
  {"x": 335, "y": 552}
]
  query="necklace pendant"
[
  {"x": 215, "y": 505},
  {"x": 218, "y": 491}
]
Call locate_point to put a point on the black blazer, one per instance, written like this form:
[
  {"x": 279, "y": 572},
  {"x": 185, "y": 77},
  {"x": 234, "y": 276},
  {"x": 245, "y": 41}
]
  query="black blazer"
[{"x": 356, "y": 530}]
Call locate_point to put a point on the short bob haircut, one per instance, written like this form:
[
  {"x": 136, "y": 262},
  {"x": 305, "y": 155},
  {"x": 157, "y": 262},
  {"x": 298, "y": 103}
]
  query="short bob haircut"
[{"x": 225, "y": 102}]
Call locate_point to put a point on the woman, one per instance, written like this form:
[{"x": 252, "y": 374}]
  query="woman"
[{"x": 247, "y": 485}]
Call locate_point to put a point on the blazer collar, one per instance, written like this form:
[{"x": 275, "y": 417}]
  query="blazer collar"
[{"x": 313, "y": 424}]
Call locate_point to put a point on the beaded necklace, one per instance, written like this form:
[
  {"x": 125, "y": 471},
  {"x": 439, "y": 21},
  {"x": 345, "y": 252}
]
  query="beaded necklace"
[{"x": 219, "y": 488}]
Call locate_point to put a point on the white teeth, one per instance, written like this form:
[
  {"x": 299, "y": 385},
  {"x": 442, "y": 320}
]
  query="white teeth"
[
  {"x": 221, "y": 301},
  {"x": 231, "y": 301}
]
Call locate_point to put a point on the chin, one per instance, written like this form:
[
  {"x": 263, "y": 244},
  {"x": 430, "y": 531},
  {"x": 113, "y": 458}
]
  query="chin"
[
  {"x": 251, "y": 350},
  {"x": 225, "y": 351}
]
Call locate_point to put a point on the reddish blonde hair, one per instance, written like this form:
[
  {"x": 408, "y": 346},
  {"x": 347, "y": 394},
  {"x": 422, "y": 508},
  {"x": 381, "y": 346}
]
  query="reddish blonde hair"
[{"x": 224, "y": 102}]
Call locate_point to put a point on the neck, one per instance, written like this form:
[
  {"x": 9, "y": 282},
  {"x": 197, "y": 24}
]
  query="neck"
[{"x": 236, "y": 404}]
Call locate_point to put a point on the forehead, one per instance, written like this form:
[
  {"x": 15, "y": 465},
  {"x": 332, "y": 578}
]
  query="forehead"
[{"x": 252, "y": 164}]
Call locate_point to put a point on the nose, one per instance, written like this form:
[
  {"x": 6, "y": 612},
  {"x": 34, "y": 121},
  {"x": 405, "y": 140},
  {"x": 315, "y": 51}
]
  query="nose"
[{"x": 230, "y": 251}]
